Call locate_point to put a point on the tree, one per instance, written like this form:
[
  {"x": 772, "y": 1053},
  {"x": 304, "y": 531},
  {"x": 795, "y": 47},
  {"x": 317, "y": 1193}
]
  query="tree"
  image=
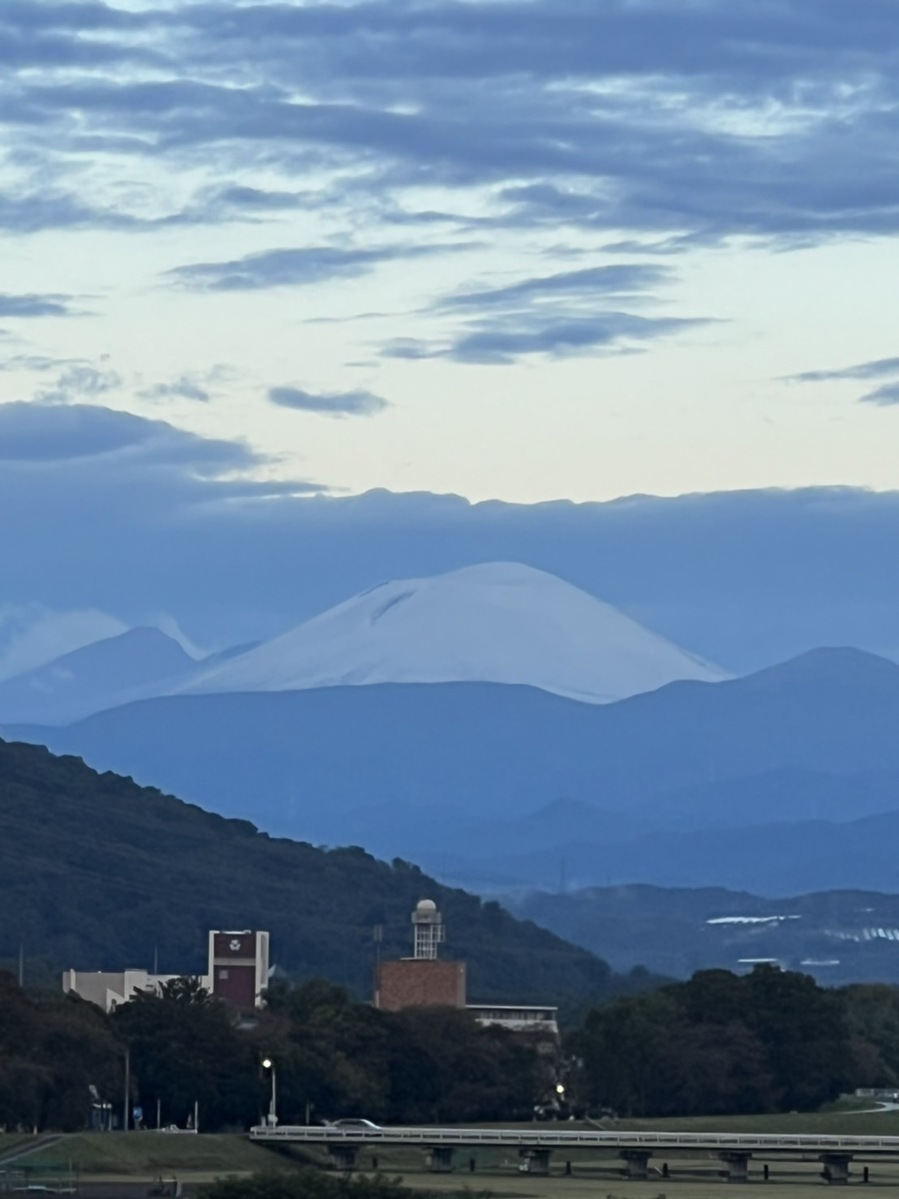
[{"x": 185, "y": 1049}]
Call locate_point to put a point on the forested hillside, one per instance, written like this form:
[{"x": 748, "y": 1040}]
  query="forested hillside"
[{"x": 98, "y": 873}]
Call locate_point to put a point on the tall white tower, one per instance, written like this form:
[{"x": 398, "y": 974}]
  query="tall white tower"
[{"x": 427, "y": 924}]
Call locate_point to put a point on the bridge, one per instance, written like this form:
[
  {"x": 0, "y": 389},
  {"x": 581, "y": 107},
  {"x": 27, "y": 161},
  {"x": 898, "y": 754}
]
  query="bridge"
[{"x": 535, "y": 1145}]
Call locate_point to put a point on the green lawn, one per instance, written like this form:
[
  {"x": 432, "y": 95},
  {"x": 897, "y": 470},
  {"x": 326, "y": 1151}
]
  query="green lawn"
[
  {"x": 11, "y": 1140},
  {"x": 837, "y": 1123},
  {"x": 148, "y": 1154}
]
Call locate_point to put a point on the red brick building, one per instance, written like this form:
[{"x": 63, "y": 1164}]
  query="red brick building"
[
  {"x": 422, "y": 980},
  {"x": 417, "y": 982}
]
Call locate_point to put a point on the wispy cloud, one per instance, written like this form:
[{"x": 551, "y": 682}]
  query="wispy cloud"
[
  {"x": 505, "y": 340},
  {"x": 80, "y": 381},
  {"x": 883, "y": 397},
  {"x": 34, "y": 305},
  {"x": 879, "y": 368},
  {"x": 338, "y": 404},
  {"x": 186, "y": 387},
  {"x": 290, "y": 267},
  {"x": 559, "y": 315},
  {"x": 589, "y": 284}
]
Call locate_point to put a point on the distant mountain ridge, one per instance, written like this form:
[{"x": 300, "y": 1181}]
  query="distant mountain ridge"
[
  {"x": 97, "y": 873},
  {"x": 452, "y": 774},
  {"x": 497, "y": 622},
  {"x": 838, "y": 936},
  {"x": 104, "y": 674}
]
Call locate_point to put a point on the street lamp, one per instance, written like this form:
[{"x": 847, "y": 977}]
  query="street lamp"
[{"x": 268, "y": 1064}]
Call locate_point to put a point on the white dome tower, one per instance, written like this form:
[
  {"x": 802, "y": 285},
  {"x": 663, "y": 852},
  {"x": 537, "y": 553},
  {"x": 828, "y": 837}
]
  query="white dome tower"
[{"x": 427, "y": 924}]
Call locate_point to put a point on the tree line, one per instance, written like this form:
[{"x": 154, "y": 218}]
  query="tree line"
[
  {"x": 765, "y": 1042},
  {"x": 769, "y": 1041}
]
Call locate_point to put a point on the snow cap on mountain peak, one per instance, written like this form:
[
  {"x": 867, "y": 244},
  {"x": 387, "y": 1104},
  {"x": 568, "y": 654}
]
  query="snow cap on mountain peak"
[{"x": 496, "y": 622}]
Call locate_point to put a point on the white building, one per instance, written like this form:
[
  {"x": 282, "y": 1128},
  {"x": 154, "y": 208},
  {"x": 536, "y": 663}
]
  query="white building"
[
  {"x": 109, "y": 990},
  {"x": 237, "y": 971}
]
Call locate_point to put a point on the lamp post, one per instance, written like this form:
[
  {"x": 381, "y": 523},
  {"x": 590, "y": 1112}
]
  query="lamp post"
[{"x": 268, "y": 1064}]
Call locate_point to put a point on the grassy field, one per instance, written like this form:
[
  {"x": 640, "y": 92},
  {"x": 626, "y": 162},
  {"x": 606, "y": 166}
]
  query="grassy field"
[
  {"x": 149, "y": 1154},
  {"x": 9, "y": 1140},
  {"x": 840, "y": 1122}
]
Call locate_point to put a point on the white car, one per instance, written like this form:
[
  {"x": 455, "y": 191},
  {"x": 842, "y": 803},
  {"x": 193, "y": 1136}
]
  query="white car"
[{"x": 354, "y": 1122}]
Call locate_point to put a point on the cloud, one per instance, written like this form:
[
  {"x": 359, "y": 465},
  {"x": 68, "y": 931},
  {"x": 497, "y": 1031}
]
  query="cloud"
[
  {"x": 588, "y": 284},
  {"x": 283, "y": 268},
  {"x": 79, "y": 381},
  {"x": 35, "y": 433},
  {"x": 880, "y": 368},
  {"x": 559, "y": 315},
  {"x": 699, "y": 121},
  {"x": 884, "y": 396},
  {"x": 34, "y": 305},
  {"x": 186, "y": 387},
  {"x": 105, "y": 446},
  {"x": 339, "y": 404},
  {"x": 501, "y": 344},
  {"x": 31, "y": 635},
  {"x": 32, "y": 212},
  {"x": 503, "y": 341},
  {"x": 168, "y": 526}
]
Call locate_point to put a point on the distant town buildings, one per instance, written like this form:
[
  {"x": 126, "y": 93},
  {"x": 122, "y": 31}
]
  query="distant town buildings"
[{"x": 237, "y": 971}]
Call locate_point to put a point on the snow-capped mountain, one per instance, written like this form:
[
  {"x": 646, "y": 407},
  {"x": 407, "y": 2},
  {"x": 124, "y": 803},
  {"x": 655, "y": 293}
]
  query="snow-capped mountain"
[
  {"x": 496, "y": 623},
  {"x": 132, "y": 665}
]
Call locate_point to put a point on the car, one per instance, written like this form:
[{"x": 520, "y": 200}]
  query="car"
[{"x": 355, "y": 1122}]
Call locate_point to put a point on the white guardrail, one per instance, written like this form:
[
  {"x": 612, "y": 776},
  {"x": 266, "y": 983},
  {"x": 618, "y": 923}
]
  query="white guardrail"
[{"x": 540, "y": 1139}]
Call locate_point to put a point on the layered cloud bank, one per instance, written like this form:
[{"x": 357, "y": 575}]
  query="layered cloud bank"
[
  {"x": 135, "y": 519},
  {"x": 523, "y": 248}
]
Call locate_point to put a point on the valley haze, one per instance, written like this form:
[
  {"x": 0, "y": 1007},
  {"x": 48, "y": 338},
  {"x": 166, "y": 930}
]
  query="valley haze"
[{"x": 490, "y": 773}]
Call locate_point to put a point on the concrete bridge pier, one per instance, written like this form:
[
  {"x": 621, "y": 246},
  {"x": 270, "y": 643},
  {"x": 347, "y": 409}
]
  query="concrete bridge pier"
[
  {"x": 535, "y": 1161},
  {"x": 440, "y": 1159},
  {"x": 636, "y": 1162},
  {"x": 344, "y": 1156},
  {"x": 737, "y": 1166},
  {"x": 836, "y": 1168}
]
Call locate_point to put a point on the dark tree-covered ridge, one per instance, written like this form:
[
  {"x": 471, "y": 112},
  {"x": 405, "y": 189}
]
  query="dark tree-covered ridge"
[{"x": 97, "y": 873}]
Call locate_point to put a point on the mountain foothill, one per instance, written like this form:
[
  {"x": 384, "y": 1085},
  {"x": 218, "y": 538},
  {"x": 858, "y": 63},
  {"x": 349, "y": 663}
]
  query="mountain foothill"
[{"x": 505, "y": 731}]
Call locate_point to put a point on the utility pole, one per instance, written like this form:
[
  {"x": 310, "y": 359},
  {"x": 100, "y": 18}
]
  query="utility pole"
[{"x": 21, "y": 965}]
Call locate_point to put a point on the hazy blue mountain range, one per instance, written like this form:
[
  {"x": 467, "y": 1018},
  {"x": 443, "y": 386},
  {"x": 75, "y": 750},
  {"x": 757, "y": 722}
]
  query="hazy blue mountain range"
[
  {"x": 137, "y": 664},
  {"x": 105, "y": 674},
  {"x": 97, "y": 873},
  {"x": 656, "y": 788},
  {"x": 837, "y": 936},
  {"x": 497, "y": 622}
]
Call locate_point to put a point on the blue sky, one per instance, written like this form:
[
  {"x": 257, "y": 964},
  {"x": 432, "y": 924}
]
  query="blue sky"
[{"x": 528, "y": 251}]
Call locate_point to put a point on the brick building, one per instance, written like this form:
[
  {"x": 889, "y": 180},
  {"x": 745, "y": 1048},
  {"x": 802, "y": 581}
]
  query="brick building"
[{"x": 422, "y": 980}]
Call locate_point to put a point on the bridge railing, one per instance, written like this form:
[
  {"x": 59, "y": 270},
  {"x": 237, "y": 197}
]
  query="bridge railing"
[{"x": 549, "y": 1139}]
